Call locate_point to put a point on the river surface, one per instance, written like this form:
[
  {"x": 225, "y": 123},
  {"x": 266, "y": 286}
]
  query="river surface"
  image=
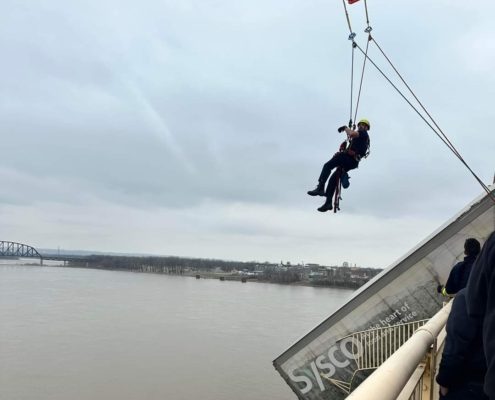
[{"x": 82, "y": 334}]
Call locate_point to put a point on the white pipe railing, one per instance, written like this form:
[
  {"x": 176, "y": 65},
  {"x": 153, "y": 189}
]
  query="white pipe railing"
[
  {"x": 388, "y": 381},
  {"x": 378, "y": 344}
]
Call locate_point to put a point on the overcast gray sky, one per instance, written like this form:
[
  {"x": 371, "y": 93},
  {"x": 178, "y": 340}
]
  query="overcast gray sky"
[{"x": 195, "y": 127}]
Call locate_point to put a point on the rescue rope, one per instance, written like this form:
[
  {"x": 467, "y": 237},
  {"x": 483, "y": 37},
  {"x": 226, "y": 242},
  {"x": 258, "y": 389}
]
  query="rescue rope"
[
  {"x": 450, "y": 145},
  {"x": 441, "y": 136},
  {"x": 347, "y": 16},
  {"x": 362, "y": 75},
  {"x": 367, "y": 16},
  {"x": 438, "y": 131},
  {"x": 368, "y": 31},
  {"x": 352, "y": 36},
  {"x": 352, "y": 85}
]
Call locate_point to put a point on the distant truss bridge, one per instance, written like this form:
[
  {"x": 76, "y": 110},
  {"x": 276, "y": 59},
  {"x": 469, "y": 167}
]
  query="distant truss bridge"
[
  {"x": 13, "y": 249},
  {"x": 19, "y": 250}
]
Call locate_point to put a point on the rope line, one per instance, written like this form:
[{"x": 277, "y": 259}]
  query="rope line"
[
  {"x": 347, "y": 16},
  {"x": 362, "y": 77},
  {"x": 447, "y": 141},
  {"x": 367, "y": 16},
  {"x": 352, "y": 85},
  {"x": 419, "y": 102},
  {"x": 444, "y": 140},
  {"x": 438, "y": 131}
]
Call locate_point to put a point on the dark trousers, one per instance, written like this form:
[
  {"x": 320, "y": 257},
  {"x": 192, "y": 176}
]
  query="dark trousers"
[
  {"x": 343, "y": 160},
  {"x": 467, "y": 391}
]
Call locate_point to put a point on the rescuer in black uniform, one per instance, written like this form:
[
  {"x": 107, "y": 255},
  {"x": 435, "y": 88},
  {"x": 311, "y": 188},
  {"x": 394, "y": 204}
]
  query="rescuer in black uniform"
[
  {"x": 346, "y": 158},
  {"x": 459, "y": 275},
  {"x": 463, "y": 366},
  {"x": 480, "y": 299}
]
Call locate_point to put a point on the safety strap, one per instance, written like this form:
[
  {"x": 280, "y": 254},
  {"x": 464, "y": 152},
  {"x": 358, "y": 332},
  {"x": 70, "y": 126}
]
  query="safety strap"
[{"x": 338, "y": 190}]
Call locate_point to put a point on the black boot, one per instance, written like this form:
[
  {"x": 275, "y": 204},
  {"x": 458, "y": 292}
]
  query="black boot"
[
  {"x": 319, "y": 191},
  {"x": 327, "y": 206}
]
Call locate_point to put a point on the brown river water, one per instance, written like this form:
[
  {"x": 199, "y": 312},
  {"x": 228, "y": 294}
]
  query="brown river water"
[{"x": 81, "y": 334}]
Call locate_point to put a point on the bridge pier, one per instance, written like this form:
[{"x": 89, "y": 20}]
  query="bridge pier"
[{"x": 41, "y": 261}]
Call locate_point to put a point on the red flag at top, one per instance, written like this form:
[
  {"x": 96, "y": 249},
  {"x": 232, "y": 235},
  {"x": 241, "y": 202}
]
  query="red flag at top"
[{"x": 352, "y": 1}]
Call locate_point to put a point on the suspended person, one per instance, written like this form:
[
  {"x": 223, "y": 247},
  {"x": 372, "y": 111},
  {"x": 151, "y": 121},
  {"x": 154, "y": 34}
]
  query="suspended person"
[
  {"x": 347, "y": 158},
  {"x": 458, "y": 277}
]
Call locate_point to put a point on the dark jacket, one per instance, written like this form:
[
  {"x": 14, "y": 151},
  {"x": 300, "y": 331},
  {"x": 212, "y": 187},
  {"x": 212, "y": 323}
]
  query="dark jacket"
[
  {"x": 459, "y": 275},
  {"x": 361, "y": 143},
  {"x": 463, "y": 360},
  {"x": 480, "y": 298}
]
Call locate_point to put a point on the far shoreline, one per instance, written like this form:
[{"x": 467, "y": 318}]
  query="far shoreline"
[{"x": 228, "y": 277}]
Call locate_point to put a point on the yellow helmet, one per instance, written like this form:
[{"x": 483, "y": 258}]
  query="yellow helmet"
[{"x": 366, "y": 122}]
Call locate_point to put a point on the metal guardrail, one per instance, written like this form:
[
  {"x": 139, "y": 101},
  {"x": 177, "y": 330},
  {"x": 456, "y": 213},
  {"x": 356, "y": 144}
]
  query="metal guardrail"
[
  {"x": 414, "y": 388},
  {"x": 422, "y": 383},
  {"x": 375, "y": 346},
  {"x": 380, "y": 343},
  {"x": 402, "y": 375}
]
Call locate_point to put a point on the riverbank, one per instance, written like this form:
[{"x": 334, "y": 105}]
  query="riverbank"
[
  {"x": 345, "y": 276},
  {"x": 219, "y": 275}
]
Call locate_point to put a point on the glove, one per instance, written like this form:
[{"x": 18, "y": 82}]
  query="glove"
[
  {"x": 342, "y": 128},
  {"x": 439, "y": 288}
]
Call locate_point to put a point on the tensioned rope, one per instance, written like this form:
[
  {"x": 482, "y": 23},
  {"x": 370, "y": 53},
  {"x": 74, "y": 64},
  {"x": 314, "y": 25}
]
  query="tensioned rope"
[
  {"x": 352, "y": 35},
  {"x": 352, "y": 87},
  {"x": 362, "y": 75},
  {"x": 444, "y": 140},
  {"x": 367, "y": 15},
  {"x": 440, "y": 133},
  {"x": 347, "y": 16},
  {"x": 368, "y": 31},
  {"x": 450, "y": 145}
]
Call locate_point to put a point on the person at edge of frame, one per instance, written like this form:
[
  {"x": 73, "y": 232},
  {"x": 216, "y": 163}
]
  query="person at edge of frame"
[
  {"x": 462, "y": 370},
  {"x": 480, "y": 300},
  {"x": 459, "y": 275}
]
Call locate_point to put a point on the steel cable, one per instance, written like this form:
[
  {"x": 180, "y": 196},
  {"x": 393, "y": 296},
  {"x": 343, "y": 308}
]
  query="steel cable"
[
  {"x": 362, "y": 77},
  {"x": 441, "y": 135},
  {"x": 352, "y": 87}
]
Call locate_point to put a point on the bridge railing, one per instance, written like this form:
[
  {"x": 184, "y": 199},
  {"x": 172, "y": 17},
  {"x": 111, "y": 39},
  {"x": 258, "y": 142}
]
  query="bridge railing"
[
  {"x": 376, "y": 345},
  {"x": 402, "y": 376}
]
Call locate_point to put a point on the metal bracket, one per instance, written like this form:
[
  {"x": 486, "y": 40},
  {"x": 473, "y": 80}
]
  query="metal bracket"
[
  {"x": 368, "y": 29},
  {"x": 352, "y": 36}
]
